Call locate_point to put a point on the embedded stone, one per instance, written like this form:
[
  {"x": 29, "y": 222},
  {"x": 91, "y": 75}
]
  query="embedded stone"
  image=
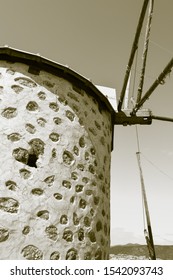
[
  {"x": 62, "y": 100},
  {"x": 17, "y": 89},
  {"x": 51, "y": 232},
  {"x": 71, "y": 254},
  {"x": 87, "y": 221},
  {"x": 57, "y": 120},
  {"x": 103, "y": 189},
  {"x": 24, "y": 173},
  {"x": 101, "y": 177},
  {"x": 79, "y": 188},
  {"x": 4, "y": 234},
  {"x": 54, "y": 106},
  {"x": 93, "y": 131},
  {"x": 54, "y": 153},
  {"x": 81, "y": 121},
  {"x": 75, "y": 108},
  {"x": 10, "y": 71},
  {"x": 68, "y": 158},
  {"x": 85, "y": 180},
  {"x": 41, "y": 95},
  {"x": 25, "y": 82},
  {"x": 98, "y": 125},
  {"x": 57, "y": 196},
  {"x": 98, "y": 254},
  {"x": 21, "y": 155},
  {"x": 82, "y": 203},
  {"x": 43, "y": 214},
  {"x": 87, "y": 256},
  {"x": 32, "y": 106},
  {"x": 72, "y": 199},
  {"x": 31, "y": 252},
  {"x": 50, "y": 180},
  {"x": 92, "y": 236},
  {"x": 54, "y": 137},
  {"x": 89, "y": 192},
  {"x": 55, "y": 256},
  {"x": 8, "y": 204},
  {"x": 93, "y": 183},
  {"x": 66, "y": 184},
  {"x": 11, "y": 185},
  {"x": 103, "y": 213},
  {"x": 87, "y": 156},
  {"x": 14, "y": 137},
  {"x": 30, "y": 128},
  {"x": 37, "y": 146},
  {"x": 81, "y": 234},
  {"x": 80, "y": 167},
  {"x": 64, "y": 219},
  {"x": 78, "y": 90},
  {"x": 74, "y": 175},
  {"x": 48, "y": 83},
  {"x": 92, "y": 212},
  {"x": 73, "y": 96},
  {"x": 91, "y": 169},
  {"x": 76, "y": 150},
  {"x": 96, "y": 200},
  {"x": 92, "y": 150},
  {"x": 9, "y": 113},
  {"x": 93, "y": 111},
  {"x": 41, "y": 122},
  {"x": 99, "y": 226},
  {"x": 75, "y": 219},
  {"x": 85, "y": 102},
  {"x": 68, "y": 235},
  {"x": 26, "y": 230},
  {"x": 102, "y": 141},
  {"x": 82, "y": 142},
  {"x": 37, "y": 191},
  {"x": 70, "y": 115}
]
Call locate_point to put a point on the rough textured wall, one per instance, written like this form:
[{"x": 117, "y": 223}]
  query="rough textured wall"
[{"x": 54, "y": 168}]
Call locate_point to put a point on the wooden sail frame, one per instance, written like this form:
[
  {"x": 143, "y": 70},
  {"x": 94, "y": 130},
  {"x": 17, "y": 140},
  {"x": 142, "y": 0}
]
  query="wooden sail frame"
[{"x": 138, "y": 115}]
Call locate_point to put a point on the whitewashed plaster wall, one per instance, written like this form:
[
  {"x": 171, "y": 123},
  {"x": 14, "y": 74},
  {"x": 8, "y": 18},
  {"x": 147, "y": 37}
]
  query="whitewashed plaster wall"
[{"x": 55, "y": 145}]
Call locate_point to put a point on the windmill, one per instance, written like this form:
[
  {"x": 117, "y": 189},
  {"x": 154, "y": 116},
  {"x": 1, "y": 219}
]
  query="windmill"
[{"x": 136, "y": 115}]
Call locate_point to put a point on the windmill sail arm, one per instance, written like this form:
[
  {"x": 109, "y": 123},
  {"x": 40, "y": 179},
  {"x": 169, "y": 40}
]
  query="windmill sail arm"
[
  {"x": 159, "y": 80},
  {"x": 166, "y": 119},
  {"x": 132, "y": 54},
  {"x": 145, "y": 51}
]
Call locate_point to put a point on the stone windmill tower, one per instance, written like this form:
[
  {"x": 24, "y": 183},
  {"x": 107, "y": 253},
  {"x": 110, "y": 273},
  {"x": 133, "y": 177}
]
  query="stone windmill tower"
[{"x": 56, "y": 134}]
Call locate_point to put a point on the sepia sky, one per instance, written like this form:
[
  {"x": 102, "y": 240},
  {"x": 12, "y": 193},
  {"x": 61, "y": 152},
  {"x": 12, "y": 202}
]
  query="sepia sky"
[{"x": 94, "y": 38}]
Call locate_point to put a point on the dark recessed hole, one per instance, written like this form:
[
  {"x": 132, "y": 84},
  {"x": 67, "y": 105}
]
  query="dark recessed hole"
[{"x": 32, "y": 159}]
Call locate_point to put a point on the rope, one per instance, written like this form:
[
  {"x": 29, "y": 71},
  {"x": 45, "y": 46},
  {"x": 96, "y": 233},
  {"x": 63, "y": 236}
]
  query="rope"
[
  {"x": 158, "y": 45},
  {"x": 156, "y": 167}
]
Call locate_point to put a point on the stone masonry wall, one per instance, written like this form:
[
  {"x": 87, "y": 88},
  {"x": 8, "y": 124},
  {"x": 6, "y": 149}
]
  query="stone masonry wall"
[{"x": 55, "y": 144}]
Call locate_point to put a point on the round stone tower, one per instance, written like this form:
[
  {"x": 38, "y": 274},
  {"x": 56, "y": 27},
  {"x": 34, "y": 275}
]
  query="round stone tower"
[{"x": 56, "y": 134}]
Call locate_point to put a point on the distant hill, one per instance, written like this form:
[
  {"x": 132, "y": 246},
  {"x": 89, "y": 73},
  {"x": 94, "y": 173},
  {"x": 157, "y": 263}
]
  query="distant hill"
[{"x": 162, "y": 252}]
